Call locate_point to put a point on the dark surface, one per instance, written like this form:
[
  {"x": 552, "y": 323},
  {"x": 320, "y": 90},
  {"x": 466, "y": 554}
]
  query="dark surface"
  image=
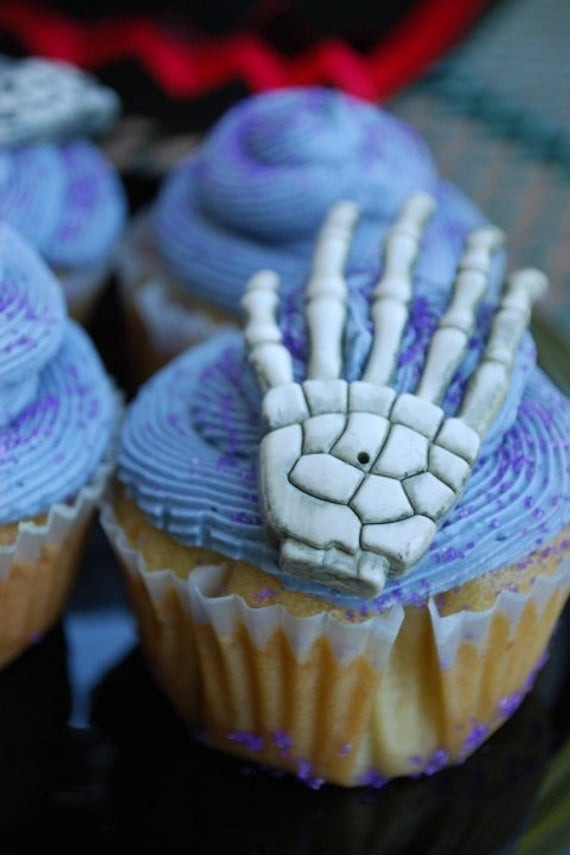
[{"x": 134, "y": 780}]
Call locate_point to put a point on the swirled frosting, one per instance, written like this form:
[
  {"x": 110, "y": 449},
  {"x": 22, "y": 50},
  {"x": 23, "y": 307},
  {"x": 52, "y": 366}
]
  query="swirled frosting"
[
  {"x": 65, "y": 199},
  {"x": 266, "y": 175},
  {"x": 57, "y": 406}
]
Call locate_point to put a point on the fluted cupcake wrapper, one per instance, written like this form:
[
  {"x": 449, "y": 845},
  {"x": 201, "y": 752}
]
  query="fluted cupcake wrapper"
[
  {"x": 403, "y": 693},
  {"x": 38, "y": 568},
  {"x": 61, "y": 521}
]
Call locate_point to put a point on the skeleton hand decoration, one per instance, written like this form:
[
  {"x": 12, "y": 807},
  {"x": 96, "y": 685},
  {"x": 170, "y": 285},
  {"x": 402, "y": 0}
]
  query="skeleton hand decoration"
[{"x": 354, "y": 478}]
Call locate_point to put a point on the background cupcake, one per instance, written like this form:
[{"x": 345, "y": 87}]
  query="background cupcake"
[
  {"x": 252, "y": 196},
  {"x": 57, "y": 188},
  {"x": 59, "y": 416},
  {"x": 330, "y": 684}
]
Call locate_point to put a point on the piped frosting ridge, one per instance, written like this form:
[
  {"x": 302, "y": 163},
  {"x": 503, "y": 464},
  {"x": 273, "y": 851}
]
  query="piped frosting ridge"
[
  {"x": 58, "y": 410},
  {"x": 259, "y": 186},
  {"x": 66, "y": 200}
]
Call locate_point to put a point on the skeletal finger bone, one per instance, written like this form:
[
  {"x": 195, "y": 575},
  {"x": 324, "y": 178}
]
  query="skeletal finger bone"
[
  {"x": 326, "y": 292},
  {"x": 394, "y": 290},
  {"x": 271, "y": 361},
  {"x": 450, "y": 340},
  {"x": 489, "y": 384}
]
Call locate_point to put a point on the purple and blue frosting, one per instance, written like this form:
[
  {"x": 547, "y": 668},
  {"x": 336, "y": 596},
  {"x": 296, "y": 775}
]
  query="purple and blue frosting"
[
  {"x": 65, "y": 199},
  {"x": 257, "y": 190},
  {"x": 190, "y": 443},
  {"x": 58, "y": 409},
  {"x": 57, "y": 188}
]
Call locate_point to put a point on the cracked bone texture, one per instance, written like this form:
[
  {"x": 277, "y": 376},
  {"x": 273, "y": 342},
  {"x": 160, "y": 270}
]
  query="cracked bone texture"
[
  {"x": 417, "y": 414},
  {"x": 326, "y": 477},
  {"x": 429, "y": 495},
  {"x": 381, "y": 499},
  {"x": 362, "y": 439},
  {"x": 326, "y": 396},
  {"x": 402, "y": 542},
  {"x": 448, "y": 467},
  {"x": 284, "y": 405},
  {"x": 295, "y": 512},
  {"x": 405, "y": 453},
  {"x": 366, "y": 398},
  {"x": 356, "y": 482},
  {"x": 321, "y": 432}
]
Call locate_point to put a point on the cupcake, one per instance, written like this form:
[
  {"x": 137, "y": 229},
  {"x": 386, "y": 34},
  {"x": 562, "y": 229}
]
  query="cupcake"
[
  {"x": 346, "y": 531},
  {"x": 57, "y": 188},
  {"x": 252, "y": 195},
  {"x": 59, "y": 417}
]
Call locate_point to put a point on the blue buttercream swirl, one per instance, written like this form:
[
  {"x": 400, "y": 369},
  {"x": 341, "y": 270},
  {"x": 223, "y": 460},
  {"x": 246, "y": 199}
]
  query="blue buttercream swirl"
[
  {"x": 57, "y": 407},
  {"x": 32, "y": 318},
  {"x": 265, "y": 176},
  {"x": 66, "y": 199}
]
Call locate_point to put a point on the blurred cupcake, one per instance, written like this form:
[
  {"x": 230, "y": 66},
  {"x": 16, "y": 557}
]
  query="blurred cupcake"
[
  {"x": 59, "y": 416},
  {"x": 346, "y": 533},
  {"x": 57, "y": 188},
  {"x": 252, "y": 196}
]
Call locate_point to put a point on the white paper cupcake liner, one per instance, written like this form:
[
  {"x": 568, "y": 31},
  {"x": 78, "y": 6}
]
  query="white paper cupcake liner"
[
  {"x": 473, "y": 626},
  {"x": 60, "y": 522},
  {"x": 406, "y": 692},
  {"x": 201, "y": 597}
]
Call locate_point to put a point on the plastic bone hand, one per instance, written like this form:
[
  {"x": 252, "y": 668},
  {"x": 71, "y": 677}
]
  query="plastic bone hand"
[
  {"x": 355, "y": 478},
  {"x": 43, "y": 99}
]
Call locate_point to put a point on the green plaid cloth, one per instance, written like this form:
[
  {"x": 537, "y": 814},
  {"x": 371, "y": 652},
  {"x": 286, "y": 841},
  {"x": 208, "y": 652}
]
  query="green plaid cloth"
[{"x": 496, "y": 114}]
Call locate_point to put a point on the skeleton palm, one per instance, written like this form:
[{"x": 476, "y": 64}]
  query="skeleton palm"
[{"x": 354, "y": 478}]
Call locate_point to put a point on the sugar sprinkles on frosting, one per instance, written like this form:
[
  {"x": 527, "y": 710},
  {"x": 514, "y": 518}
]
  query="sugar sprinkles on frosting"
[{"x": 58, "y": 409}]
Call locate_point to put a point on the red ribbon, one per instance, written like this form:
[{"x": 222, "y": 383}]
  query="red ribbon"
[{"x": 187, "y": 68}]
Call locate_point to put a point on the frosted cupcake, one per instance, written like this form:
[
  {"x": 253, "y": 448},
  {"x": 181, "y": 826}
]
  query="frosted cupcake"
[
  {"x": 58, "y": 423},
  {"x": 254, "y": 195},
  {"x": 57, "y": 188},
  {"x": 346, "y": 532}
]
